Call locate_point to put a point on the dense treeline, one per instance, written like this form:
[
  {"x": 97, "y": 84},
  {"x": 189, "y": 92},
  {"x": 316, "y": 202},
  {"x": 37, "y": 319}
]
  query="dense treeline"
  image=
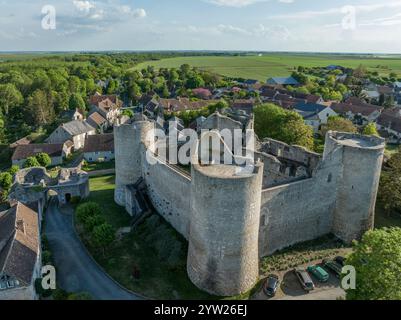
[{"x": 34, "y": 92}]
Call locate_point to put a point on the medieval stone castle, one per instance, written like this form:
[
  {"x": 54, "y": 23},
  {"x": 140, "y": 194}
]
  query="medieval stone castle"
[{"x": 231, "y": 220}]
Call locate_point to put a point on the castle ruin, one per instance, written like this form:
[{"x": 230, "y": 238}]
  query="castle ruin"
[{"x": 231, "y": 220}]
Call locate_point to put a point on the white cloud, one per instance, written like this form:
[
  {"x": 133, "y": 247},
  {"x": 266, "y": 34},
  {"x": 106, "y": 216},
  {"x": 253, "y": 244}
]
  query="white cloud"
[
  {"x": 83, "y": 5},
  {"x": 139, "y": 13},
  {"x": 234, "y": 3}
]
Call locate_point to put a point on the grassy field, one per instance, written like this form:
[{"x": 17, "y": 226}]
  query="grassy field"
[{"x": 268, "y": 65}]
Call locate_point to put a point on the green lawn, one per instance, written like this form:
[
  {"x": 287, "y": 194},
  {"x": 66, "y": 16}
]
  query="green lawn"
[
  {"x": 269, "y": 65},
  {"x": 95, "y": 166}
]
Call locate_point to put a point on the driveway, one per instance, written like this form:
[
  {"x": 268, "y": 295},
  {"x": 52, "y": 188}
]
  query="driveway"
[{"x": 76, "y": 270}]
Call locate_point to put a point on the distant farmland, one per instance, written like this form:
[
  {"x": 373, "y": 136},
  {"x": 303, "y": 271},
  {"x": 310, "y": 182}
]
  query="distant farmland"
[{"x": 263, "y": 67}]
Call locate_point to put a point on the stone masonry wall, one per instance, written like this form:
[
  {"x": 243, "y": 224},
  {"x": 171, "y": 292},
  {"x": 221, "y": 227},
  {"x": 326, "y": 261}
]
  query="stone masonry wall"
[{"x": 169, "y": 192}]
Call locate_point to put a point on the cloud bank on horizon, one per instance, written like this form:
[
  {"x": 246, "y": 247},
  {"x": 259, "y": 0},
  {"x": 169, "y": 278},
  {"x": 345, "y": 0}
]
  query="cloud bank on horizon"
[{"x": 254, "y": 25}]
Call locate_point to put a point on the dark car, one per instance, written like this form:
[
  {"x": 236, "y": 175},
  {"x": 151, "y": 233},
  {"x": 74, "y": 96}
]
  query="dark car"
[
  {"x": 304, "y": 279},
  {"x": 340, "y": 260},
  {"x": 333, "y": 266},
  {"x": 271, "y": 285}
]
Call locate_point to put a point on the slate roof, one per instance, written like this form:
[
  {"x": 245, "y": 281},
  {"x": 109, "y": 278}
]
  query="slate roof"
[
  {"x": 77, "y": 127},
  {"x": 283, "y": 81},
  {"x": 99, "y": 142},
  {"x": 19, "y": 243},
  {"x": 29, "y": 150},
  {"x": 310, "y": 107}
]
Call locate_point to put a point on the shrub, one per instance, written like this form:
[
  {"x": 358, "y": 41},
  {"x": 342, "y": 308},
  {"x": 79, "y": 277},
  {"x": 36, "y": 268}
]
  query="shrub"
[
  {"x": 60, "y": 294},
  {"x": 31, "y": 162},
  {"x": 6, "y": 180},
  {"x": 86, "y": 210},
  {"x": 92, "y": 221},
  {"x": 103, "y": 235},
  {"x": 13, "y": 170},
  {"x": 80, "y": 296},
  {"x": 44, "y": 159}
]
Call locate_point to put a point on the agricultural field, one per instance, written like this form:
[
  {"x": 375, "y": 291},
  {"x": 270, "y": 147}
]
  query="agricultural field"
[{"x": 269, "y": 65}]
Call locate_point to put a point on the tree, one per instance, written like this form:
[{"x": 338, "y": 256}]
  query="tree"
[
  {"x": 390, "y": 185},
  {"x": 44, "y": 159},
  {"x": 77, "y": 102},
  {"x": 370, "y": 130},
  {"x": 338, "y": 124},
  {"x": 86, "y": 210},
  {"x": 103, "y": 235},
  {"x": 39, "y": 109},
  {"x": 31, "y": 162},
  {"x": 283, "y": 125},
  {"x": 377, "y": 262},
  {"x": 10, "y": 97}
]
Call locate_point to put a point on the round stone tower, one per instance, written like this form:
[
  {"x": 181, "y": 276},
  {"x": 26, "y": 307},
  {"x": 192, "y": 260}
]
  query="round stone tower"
[
  {"x": 128, "y": 145},
  {"x": 361, "y": 160},
  {"x": 223, "y": 254}
]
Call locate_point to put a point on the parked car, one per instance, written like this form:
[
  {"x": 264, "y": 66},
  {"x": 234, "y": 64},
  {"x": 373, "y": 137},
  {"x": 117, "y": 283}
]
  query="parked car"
[
  {"x": 319, "y": 273},
  {"x": 333, "y": 267},
  {"x": 340, "y": 260},
  {"x": 304, "y": 279},
  {"x": 271, "y": 285}
]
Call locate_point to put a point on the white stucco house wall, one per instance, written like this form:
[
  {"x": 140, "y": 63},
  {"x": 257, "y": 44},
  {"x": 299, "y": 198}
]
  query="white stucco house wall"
[{"x": 76, "y": 131}]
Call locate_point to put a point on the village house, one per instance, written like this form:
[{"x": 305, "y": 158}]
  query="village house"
[
  {"x": 245, "y": 105},
  {"x": 109, "y": 106},
  {"x": 314, "y": 114},
  {"x": 97, "y": 121},
  {"x": 75, "y": 131},
  {"x": 287, "y": 81},
  {"x": 56, "y": 151},
  {"x": 99, "y": 148},
  {"x": 359, "y": 114},
  {"x": 71, "y": 115},
  {"x": 389, "y": 123},
  {"x": 20, "y": 253},
  {"x": 155, "y": 108}
]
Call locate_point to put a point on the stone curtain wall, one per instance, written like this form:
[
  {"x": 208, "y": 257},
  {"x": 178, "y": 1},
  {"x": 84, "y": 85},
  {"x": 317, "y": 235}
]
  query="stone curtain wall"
[
  {"x": 169, "y": 191},
  {"x": 299, "y": 211}
]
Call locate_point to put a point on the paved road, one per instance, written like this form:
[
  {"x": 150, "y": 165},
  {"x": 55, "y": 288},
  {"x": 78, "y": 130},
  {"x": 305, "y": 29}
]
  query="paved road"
[
  {"x": 76, "y": 270},
  {"x": 329, "y": 294}
]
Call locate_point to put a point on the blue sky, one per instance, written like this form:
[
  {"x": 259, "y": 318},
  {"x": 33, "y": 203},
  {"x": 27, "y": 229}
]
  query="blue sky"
[{"x": 258, "y": 25}]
